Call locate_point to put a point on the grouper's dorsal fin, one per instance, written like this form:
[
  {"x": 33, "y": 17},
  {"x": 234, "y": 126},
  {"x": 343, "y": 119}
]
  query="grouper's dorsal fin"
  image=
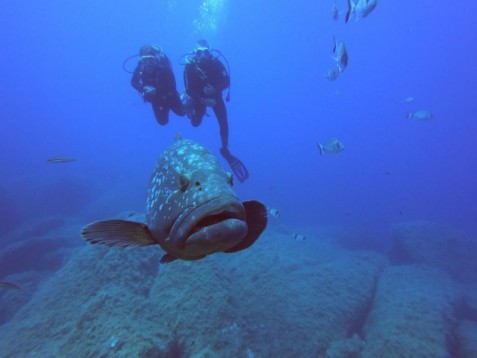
[
  {"x": 120, "y": 233},
  {"x": 256, "y": 218}
]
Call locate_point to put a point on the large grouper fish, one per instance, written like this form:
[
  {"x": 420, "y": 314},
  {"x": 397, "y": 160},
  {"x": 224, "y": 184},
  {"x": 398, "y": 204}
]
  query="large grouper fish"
[{"x": 192, "y": 210}]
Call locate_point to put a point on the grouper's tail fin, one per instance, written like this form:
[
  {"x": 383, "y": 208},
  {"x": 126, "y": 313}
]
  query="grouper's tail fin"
[
  {"x": 120, "y": 233},
  {"x": 256, "y": 218}
]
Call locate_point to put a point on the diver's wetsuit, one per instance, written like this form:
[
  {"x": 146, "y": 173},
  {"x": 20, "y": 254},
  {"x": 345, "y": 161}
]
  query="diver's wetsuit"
[
  {"x": 198, "y": 74},
  {"x": 156, "y": 71}
]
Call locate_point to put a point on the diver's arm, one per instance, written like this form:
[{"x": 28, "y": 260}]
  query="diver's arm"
[
  {"x": 136, "y": 81},
  {"x": 167, "y": 62}
]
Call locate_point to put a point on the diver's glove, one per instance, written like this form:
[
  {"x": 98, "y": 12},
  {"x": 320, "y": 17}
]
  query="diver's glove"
[{"x": 148, "y": 93}]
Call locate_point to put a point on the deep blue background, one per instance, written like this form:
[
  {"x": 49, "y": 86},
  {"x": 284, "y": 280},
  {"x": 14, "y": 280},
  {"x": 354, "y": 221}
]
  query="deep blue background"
[{"x": 63, "y": 93}]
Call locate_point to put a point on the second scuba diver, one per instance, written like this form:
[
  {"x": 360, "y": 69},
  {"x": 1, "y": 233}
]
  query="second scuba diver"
[
  {"x": 205, "y": 77},
  {"x": 154, "y": 80}
]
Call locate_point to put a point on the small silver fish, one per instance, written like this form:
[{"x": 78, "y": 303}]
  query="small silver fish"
[
  {"x": 60, "y": 160},
  {"x": 340, "y": 54},
  {"x": 408, "y": 99},
  {"x": 299, "y": 237},
  {"x": 9, "y": 286},
  {"x": 335, "y": 14},
  {"x": 360, "y": 9},
  {"x": 274, "y": 212},
  {"x": 332, "y": 73},
  {"x": 332, "y": 146},
  {"x": 420, "y": 115}
]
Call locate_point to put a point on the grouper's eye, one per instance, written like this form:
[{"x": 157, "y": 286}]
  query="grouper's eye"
[{"x": 184, "y": 182}]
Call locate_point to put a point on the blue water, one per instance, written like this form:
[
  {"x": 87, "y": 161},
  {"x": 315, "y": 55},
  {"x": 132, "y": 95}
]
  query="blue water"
[{"x": 63, "y": 93}]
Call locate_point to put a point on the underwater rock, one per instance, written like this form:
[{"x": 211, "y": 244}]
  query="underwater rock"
[
  {"x": 44, "y": 227},
  {"x": 411, "y": 314},
  {"x": 103, "y": 293},
  {"x": 466, "y": 305},
  {"x": 348, "y": 347},
  {"x": 359, "y": 240},
  {"x": 300, "y": 297},
  {"x": 467, "y": 337},
  {"x": 304, "y": 297},
  {"x": 435, "y": 245},
  {"x": 9, "y": 212},
  {"x": 471, "y": 303},
  {"x": 30, "y": 258},
  {"x": 12, "y": 300},
  {"x": 37, "y": 254}
]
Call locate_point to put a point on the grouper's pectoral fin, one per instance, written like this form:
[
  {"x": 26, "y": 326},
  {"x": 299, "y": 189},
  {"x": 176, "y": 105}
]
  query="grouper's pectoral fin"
[
  {"x": 256, "y": 218},
  {"x": 118, "y": 233},
  {"x": 167, "y": 258}
]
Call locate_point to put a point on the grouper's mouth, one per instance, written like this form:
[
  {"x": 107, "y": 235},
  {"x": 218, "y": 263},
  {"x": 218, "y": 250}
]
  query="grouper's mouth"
[{"x": 213, "y": 226}]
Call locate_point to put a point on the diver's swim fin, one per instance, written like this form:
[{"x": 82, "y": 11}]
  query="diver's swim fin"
[{"x": 239, "y": 169}]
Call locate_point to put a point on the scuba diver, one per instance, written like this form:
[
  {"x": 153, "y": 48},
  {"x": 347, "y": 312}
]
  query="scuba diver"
[
  {"x": 154, "y": 80},
  {"x": 205, "y": 77}
]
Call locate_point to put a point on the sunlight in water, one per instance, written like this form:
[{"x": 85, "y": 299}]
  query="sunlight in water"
[
  {"x": 211, "y": 13},
  {"x": 171, "y": 5}
]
